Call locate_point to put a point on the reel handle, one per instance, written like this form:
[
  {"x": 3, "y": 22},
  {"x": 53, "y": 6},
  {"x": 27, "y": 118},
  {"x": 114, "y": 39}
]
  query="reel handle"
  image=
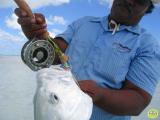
[{"x": 24, "y": 6}]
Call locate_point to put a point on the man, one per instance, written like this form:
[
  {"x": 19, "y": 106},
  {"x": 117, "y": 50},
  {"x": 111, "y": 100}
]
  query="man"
[{"x": 116, "y": 62}]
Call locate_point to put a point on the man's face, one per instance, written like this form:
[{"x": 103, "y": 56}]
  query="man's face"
[{"x": 128, "y": 12}]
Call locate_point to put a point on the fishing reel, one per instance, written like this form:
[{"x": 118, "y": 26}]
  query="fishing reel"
[{"x": 38, "y": 54}]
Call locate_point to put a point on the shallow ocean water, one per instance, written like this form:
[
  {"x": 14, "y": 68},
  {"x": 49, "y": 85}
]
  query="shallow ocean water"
[{"x": 17, "y": 87}]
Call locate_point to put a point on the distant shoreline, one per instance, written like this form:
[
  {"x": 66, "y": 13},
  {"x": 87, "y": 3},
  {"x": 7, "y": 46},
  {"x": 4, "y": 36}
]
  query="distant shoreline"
[{"x": 1, "y": 55}]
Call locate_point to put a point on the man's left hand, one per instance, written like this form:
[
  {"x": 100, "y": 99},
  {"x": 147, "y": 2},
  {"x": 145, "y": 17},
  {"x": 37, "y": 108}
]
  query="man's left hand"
[{"x": 92, "y": 89}]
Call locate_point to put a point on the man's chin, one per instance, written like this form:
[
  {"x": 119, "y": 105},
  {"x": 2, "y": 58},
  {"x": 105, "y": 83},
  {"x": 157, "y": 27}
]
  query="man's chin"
[{"x": 121, "y": 19}]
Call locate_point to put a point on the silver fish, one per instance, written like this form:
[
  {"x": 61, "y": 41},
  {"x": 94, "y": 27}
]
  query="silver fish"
[{"x": 59, "y": 98}]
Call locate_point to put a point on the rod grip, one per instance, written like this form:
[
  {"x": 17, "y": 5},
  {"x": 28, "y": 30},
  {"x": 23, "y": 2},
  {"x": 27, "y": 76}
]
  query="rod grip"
[{"x": 24, "y": 6}]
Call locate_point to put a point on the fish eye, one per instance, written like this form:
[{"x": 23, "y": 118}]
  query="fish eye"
[{"x": 53, "y": 98}]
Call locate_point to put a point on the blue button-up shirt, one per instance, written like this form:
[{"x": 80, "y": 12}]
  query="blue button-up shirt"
[{"x": 95, "y": 54}]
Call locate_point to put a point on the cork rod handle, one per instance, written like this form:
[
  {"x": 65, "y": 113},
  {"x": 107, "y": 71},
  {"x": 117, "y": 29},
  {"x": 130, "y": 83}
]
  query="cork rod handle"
[{"x": 24, "y": 6}]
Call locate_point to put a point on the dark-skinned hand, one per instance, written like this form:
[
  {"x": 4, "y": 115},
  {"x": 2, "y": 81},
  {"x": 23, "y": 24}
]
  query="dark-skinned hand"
[
  {"x": 92, "y": 89},
  {"x": 31, "y": 27}
]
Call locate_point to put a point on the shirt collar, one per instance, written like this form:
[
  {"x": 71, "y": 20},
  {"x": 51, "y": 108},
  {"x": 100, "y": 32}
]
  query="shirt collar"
[{"x": 104, "y": 22}]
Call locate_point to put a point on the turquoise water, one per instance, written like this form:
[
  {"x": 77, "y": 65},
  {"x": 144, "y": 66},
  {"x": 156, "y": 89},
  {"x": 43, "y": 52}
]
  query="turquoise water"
[{"x": 17, "y": 87}]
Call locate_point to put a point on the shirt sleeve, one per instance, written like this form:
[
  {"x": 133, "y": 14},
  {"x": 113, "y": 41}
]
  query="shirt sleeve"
[
  {"x": 144, "y": 70},
  {"x": 68, "y": 33},
  {"x": 71, "y": 30}
]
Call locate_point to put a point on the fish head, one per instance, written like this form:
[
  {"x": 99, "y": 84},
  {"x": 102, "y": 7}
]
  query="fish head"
[
  {"x": 57, "y": 85},
  {"x": 58, "y": 97}
]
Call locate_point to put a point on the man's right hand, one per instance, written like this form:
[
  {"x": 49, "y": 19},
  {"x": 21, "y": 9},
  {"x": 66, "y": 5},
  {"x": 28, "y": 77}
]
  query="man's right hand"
[{"x": 32, "y": 27}]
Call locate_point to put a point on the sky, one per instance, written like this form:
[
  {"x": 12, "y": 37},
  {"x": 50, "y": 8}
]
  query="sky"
[{"x": 58, "y": 14}]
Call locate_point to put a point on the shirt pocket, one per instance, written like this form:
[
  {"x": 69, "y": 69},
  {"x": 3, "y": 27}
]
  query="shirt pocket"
[
  {"x": 113, "y": 62},
  {"x": 122, "y": 55}
]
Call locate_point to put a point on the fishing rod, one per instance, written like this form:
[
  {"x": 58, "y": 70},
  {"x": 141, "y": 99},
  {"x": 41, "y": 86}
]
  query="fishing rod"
[{"x": 40, "y": 53}]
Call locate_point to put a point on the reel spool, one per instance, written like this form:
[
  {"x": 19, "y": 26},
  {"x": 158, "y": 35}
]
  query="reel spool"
[{"x": 38, "y": 54}]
